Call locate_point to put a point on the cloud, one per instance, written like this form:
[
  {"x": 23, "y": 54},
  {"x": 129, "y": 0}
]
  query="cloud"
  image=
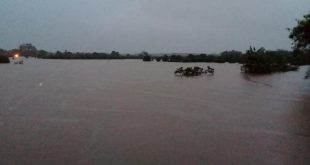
[{"x": 155, "y": 26}]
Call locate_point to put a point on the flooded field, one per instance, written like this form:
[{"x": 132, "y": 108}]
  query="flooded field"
[{"x": 133, "y": 112}]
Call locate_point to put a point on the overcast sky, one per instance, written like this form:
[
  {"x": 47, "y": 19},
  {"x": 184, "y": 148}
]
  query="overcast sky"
[{"x": 156, "y": 26}]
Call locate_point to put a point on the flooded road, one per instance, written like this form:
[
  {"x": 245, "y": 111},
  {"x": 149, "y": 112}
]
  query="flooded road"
[{"x": 133, "y": 112}]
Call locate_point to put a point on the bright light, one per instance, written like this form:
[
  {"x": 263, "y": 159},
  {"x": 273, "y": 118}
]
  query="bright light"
[{"x": 16, "y": 55}]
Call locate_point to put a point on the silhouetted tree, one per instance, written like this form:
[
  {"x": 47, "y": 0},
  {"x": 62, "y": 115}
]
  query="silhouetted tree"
[
  {"x": 176, "y": 58},
  {"x": 4, "y": 59},
  {"x": 115, "y": 55},
  {"x": 262, "y": 61},
  {"x": 165, "y": 58},
  {"x": 158, "y": 59},
  {"x": 232, "y": 56},
  {"x": 2, "y": 52},
  {"x": 42, "y": 54},
  {"x": 300, "y": 34},
  {"x": 190, "y": 58},
  {"x": 28, "y": 50},
  {"x": 146, "y": 56}
]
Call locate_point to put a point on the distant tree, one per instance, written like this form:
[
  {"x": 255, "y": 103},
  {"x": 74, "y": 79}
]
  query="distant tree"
[
  {"x": 261, "y": 51},
  {"x": 251, "y": 51},
  {"x": 58, "y": 55},
  {"x": 165, "y": 58},
  {"x": 28, "y": 50},
  {"x": 262, "y": 61},
  {"x": 68, "y": 55},
  {"x": 42, "y": 54},
  {"x": 146, "y": 56},
  {"x": 115, "y": 55},
  {"x": 202, "y": 57},
  {"x": 158, "y": 59},
  {"x": 300, "y": 34},
  {"x": 189, "y": 58},
  {"x": 4, "y": 59},
  {"x": 231, "y": 56},
  {"x": 2, "y": 51}
]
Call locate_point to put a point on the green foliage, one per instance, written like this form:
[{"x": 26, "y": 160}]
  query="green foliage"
[
  {"x": 262, "y": 61},
  {"x": 300, "y": 34}
]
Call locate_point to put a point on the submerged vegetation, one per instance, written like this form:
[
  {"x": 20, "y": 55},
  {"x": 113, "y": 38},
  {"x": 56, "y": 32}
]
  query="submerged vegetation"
[
  {"x": 193, "y": 71},
  {"x": 253, "y": 60},
  {"x": 261, "y": 61}
]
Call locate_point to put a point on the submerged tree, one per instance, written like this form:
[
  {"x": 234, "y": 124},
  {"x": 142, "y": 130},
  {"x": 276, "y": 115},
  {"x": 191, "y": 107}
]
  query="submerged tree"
[
  {"x": 262, "y": 61},
  {"x": 300, "y": 34}
]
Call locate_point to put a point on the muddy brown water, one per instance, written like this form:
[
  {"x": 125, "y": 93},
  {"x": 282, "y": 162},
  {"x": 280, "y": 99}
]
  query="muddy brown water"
[{"x": 134, "y": 112}]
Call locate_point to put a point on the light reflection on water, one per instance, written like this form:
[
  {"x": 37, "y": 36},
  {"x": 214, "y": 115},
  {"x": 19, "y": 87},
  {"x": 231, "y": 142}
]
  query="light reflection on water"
[{"x": 134, "y": 112}]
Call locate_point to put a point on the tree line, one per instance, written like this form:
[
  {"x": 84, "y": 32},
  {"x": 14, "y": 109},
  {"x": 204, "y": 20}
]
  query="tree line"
[
  {"x": 296, "y": 57},
  {"x": 29, "y": 50},
  {"x": 253, "y": 60}
]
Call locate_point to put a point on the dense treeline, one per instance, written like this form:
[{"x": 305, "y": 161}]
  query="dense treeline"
[
  {"x": 254, "y": 61},
  {"x": 261, "y": 61},
  {"x": 28, "y": 50},
  {"x": 261, "y": 55},
  {"x": 278, "y": 56},
  {"x": 95, "y": 55}
]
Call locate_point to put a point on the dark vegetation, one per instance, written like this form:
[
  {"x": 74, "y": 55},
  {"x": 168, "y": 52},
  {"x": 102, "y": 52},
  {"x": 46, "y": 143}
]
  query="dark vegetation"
[
  {"x": 4, "y": 59},
  {"x": 70, "y": 55},
  {"x": 146, "y": 56},
  {"x": 193, "y": 71},
  {"x": 261, "y": 61},
  {"x": 296, "y": 58},
  {"x": 253, "y": 60},
  {"x": 300, "y": 34},
  {"x": 29, "y": 50}
]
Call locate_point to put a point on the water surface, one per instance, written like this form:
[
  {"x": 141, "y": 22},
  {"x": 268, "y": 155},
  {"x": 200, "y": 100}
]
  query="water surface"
[{"x": 134, "y": 112}]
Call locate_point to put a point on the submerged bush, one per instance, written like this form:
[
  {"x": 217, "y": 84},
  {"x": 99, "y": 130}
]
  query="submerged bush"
[{"x": 261, "y": 61}]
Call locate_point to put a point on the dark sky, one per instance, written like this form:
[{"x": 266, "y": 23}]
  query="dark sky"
[{"x": 132, "y": 26}]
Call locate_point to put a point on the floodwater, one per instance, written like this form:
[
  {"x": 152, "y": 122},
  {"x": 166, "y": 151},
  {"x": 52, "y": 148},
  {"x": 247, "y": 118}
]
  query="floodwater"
[{"x": 133, "y": 112}]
